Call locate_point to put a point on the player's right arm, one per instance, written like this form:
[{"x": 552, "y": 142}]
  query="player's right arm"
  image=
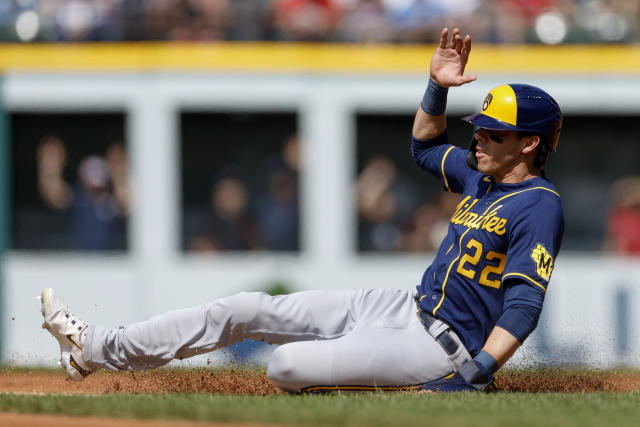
[
  {"x": 430, "y": 148},
  {"x": 446, "y": 70}
]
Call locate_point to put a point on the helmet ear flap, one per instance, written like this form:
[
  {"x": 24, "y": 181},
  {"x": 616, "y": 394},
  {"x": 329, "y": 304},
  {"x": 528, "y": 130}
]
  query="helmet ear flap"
[{"x": 472, "y": 161}]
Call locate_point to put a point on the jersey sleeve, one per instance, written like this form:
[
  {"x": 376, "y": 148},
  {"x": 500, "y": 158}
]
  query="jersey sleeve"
[
  {"x": 534, "y": 241},
  {"x": 521, "y": 309},
  {"x": 446, "y": 162}
]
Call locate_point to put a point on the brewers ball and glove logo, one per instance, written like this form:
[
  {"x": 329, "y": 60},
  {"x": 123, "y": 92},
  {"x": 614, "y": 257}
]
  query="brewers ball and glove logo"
[
  {"x": 544, "y": 261},
  {"x": 487, "y": 102}
]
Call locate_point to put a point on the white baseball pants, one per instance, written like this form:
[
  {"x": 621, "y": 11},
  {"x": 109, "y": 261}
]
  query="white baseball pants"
[{"x": 329, "y": 339}]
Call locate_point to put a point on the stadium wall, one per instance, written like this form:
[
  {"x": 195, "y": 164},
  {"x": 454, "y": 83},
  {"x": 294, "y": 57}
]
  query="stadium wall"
[{"x": 585, "y": 318}]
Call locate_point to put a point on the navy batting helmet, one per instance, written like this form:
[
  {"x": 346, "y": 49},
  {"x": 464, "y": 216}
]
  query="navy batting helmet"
[{"x": 522, "y": 108}]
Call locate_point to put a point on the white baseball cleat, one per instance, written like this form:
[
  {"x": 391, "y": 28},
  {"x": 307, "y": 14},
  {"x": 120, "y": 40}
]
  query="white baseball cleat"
[{"x": 70, "y": 332}]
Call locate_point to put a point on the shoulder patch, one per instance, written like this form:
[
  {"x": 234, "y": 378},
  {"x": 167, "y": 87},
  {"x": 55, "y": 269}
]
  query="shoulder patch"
[{"x": 543, "y": 260}]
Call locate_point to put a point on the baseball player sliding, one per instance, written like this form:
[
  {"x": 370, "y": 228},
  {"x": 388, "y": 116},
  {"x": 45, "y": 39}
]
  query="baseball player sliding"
[{"x": 476, "y": 304}]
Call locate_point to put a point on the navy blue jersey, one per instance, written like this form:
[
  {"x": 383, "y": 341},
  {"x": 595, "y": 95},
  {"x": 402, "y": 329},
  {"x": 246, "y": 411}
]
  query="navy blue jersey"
[{"x": 498, "y": 232}]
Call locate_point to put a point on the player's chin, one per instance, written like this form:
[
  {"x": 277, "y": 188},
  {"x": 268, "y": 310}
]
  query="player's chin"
[{"x": 484, "y": 164}]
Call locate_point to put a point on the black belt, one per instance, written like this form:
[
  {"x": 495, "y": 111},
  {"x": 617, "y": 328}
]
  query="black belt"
[{"x": 444, "y": 339}]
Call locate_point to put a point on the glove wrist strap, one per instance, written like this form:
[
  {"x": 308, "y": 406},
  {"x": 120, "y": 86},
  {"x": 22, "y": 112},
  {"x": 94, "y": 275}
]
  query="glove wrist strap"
[{"x": 488, "y": 362}]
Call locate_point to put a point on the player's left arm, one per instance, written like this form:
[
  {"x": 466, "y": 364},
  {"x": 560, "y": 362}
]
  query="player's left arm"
[
  {"x": 501, "y": 345},
  {"x": 534, "y": 238},
  {"x": 521, "y": 312},
  {"x": 478, "y": 372},
  {"x": 522, "y": 308}
]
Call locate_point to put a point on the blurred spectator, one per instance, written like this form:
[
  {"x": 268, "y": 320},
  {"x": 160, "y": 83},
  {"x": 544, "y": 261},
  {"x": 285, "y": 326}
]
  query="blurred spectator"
[
  {"x": 51, "y": 158},
  {"x": 377, "y": 206},
  {"x": 430, "y": 224},
  {"x": 366, "y": 21},
  {"x": 116, "y": 157},
  {"x": 385, "y": 204},
  {"x": 278, "y": 208},
  {"x": 504, "y": 24},
  {"x": 94, "y": 208},
  {"x": 89, "y": 214},
  {"x": 194, "y": 19},
  {"x": 417, "y": 20},
  {"x": 268, "y": 218},
  {"x": 227, "y": 225},
  {"x": 528, "y": 8},
  {"x": 46, "y": 223},
  {"x": 250, "y": 20},
  {"x": 255, "y": 161},
  {"x": 306, "y": 20},
  {"x": 76, "y": 20},
  {"x": 623, "y": 221}
]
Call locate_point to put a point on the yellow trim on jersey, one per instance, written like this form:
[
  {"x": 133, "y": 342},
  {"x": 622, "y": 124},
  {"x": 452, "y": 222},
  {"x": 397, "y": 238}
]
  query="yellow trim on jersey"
[
  {"x": 444, "y": 283},
  {"x": 446, "y": 183},
  {"x": 501, "y": 104},
  {"x": 488, "y": 179},
  {"x": 526, "y": 277},
  {"x": 450, "y": 247},
  {"x": 518, "y": 192}
]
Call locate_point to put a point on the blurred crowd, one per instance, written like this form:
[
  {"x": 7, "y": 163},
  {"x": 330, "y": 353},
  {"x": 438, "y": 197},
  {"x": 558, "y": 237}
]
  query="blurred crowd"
[
  {"x": 623, "y": 219},
  {"x": 238, "y": 216},
  {"x": 368, "y": 21},
  {"x": 392, "y": 215},
  {"x": 85, "y": 211},
  {"x": 88, "y": 208}
]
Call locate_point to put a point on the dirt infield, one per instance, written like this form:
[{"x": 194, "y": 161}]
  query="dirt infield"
[
  {"x": 220, "y": 381},
  {"x": 254, "y": 382},
  {"x": 541, "y": 381},
  {"x": 34, "y": 420}
]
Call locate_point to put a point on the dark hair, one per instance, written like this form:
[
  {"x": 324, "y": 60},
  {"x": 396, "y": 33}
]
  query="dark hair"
[{"x": 543, "y": 148}]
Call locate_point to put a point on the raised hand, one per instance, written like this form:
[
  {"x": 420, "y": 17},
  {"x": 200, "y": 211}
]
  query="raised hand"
[{"x": 448, "y": 62}]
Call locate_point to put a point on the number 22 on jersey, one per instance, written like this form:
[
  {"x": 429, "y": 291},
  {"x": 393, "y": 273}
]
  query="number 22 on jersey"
[{"x": 473, "y": 257}]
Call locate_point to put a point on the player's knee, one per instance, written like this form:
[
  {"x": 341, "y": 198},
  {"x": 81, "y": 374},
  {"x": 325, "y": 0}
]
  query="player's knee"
[
  {"x": 242, "y": 307},
  {"x": 283, "y": 371}
]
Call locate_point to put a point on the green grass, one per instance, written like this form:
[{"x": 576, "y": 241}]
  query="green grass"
[{"x": 378, "y": 409}]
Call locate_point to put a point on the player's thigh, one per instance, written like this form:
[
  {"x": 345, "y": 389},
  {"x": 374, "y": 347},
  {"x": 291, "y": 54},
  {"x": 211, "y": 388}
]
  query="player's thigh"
[
  {"x": 367, "y": 356},
  {"x": 306, "y": 315},
  {"x": 302, "y": 316},
  {"x": 318, "y": 315},
  {"x": 386, "y": 308}
]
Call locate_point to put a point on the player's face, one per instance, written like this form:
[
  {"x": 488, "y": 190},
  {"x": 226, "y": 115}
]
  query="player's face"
[{"x": 498, "y": 152}]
